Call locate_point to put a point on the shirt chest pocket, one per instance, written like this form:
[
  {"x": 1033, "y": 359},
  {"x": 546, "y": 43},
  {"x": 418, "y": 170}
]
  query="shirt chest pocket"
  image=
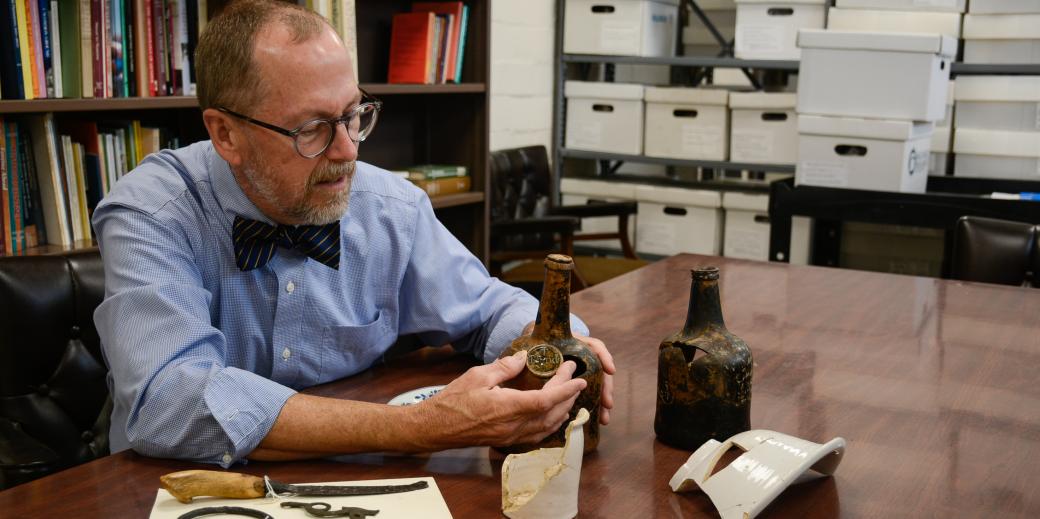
[{"x": 347, "y": 350}]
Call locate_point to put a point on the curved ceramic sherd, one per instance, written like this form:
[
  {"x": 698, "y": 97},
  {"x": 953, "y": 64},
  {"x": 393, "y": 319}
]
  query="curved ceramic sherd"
[
  {"x": 771, "y": 462},
  {"x": 543, "y": 484}
]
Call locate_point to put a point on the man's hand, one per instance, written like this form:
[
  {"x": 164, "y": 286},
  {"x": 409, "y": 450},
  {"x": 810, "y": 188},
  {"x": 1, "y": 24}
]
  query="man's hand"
[
  {"x": 606, "y": 402},
  {"x": 473, "y": 410}
]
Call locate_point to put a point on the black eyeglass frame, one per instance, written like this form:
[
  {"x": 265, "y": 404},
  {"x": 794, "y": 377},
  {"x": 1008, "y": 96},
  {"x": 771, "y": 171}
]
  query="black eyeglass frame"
[{"x": 367, "y": 100}]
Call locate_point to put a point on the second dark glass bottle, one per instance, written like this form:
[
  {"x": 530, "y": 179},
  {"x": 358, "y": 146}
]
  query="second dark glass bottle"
[{"x": 703, "y": 374}]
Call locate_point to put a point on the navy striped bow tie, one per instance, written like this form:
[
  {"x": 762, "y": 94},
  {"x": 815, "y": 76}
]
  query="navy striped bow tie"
[{"x": 255, "y": 242}]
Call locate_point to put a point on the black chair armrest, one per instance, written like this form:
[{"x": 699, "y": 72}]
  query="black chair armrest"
[
  {"x": 597, "y": 209},
  {"x": 23, "y": 458},
  {"x": 565, "y": 225}
]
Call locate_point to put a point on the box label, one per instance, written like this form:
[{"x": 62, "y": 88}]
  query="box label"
[
  {"x": 752, "y": 145},
  {"x": 620, "y": 37},
  {"x": 950, "y": 4},
  {"x": 587, "y": 134},
  {"x": 826, "y": 174},
  {"x": 701, "y": 141},
  {"x": 656, "y": 238},
  {"x": 747, "y": 243},
  {"x": 760, "y": 38}
]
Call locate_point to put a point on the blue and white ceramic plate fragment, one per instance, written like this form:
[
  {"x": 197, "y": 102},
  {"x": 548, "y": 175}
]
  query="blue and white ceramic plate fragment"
[{"x": 415, "y": 396}]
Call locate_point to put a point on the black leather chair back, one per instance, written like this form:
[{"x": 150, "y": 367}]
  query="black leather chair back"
[
  {"x": 520, "y": 188},
  {"x": 996, "y": 251},
  {"x": 54, "y": 405}
]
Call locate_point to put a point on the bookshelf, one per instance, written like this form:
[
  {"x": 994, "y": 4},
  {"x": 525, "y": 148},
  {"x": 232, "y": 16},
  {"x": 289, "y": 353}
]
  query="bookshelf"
[{"x": 444, "y": 123}]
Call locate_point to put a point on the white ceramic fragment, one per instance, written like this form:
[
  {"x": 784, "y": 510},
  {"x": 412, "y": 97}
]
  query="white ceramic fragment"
[
  {"x": 771, "y": 462},
  {"x": 543, "y": 484}
]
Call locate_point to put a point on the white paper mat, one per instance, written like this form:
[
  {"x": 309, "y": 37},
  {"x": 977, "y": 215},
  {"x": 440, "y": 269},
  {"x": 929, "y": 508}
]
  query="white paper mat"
[{"x": 426, "y": 503}]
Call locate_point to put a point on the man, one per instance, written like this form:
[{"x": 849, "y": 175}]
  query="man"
[{"x": 236, "y": 274}]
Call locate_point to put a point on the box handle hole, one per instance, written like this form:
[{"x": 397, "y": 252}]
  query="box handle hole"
[
  {"x": 849, "y": 150},
  {"x": 602, "y": 9},
  {"x": 684, "y": 113},
  {"x": 675, "y": 211},
  {"x": 761, "y": 218},
  {"x": 780, "y": 11},
  {"x": 774, "y": 116},
  {"x": 602, "y": 108}
]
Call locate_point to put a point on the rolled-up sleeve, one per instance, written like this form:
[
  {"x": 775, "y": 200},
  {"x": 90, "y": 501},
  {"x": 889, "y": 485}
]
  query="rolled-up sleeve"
[
  {"x": 172, "y": 387},
  {"x": 449, "y": 297}
]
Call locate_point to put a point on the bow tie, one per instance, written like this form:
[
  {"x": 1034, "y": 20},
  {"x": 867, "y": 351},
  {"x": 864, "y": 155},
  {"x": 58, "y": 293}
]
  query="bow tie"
[{"x": 255, "y": 242}]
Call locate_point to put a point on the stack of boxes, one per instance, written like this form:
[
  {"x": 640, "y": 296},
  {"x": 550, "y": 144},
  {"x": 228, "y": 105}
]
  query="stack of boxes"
[
  {"x": 998, "y": 127},
  {"x": 1002, "y": 31},
  {"x": 932, "y": 17},
  {"x": 867, "y": 104},
  {"x": 942, "y": 138}
]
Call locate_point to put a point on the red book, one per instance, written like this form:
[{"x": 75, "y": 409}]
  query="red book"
[
  {"x": 411, "y": 46},
  {"x": 455, "y": 10},
  {"x": 96, "y": 34}
]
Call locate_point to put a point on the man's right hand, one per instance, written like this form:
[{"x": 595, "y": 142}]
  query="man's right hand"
[{"x": 473, "y": 410}]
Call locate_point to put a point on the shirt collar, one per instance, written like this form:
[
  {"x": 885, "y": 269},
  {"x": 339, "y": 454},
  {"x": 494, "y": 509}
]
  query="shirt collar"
[{"x": 229, "y": 194}]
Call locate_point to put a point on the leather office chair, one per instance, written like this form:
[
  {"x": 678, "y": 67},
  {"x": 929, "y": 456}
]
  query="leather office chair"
[
  {"x": 527, "y": 224},
  {"x": 54, "y": 402},
  {"x": 996, "y": 251}
]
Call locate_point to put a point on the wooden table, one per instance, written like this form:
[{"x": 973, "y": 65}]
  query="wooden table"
[{"x": 933, "y": 383}]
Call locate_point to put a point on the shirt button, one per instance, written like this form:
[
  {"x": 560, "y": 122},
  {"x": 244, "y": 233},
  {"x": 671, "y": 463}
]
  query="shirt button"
[
  {"x": 286, "y": 354},
  {"x": 226, "y": 459},
  {"x": 290, "y": 287}
]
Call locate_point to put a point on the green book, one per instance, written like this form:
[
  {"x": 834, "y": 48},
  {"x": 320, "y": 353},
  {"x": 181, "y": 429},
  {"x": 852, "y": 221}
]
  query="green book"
[
  {"x": 69, "y": 25},
  {"x": 435, "y": 171}
]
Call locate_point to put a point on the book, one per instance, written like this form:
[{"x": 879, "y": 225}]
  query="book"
[
  {"x": 116, "y": 48},
  {"x": 462, "y": 43},
  {"x": 32, "y": 13},
  {"x": 454, "y": 11},
  {"x": 32, "y": 217},
  {"x": 443, "y": 186},
  {"x": 5, "y": 220},
  {"x": 55, "y": 30},
  {"x": 54, "y": 208},
  {"x": 14, "y": 192},
  {"x": 86, "y": 49},
  {"x": 44, "y": 26},
  {"x": 411, "y": 43},
  {"x": 435, "y": 171},
  {"x": 11, "y": 82},
  {"x": 25, "y": 50}
]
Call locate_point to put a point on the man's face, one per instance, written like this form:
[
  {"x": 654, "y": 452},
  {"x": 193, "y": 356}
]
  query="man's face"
[{"x": 305, "y": 81}]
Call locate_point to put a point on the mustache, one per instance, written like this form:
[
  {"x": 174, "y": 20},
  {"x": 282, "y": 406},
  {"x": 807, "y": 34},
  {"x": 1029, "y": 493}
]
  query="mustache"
[{"x": 330, "y": 171}]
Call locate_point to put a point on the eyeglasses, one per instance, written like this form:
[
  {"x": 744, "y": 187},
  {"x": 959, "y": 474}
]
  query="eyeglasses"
[{"x": 313, "y": 137}]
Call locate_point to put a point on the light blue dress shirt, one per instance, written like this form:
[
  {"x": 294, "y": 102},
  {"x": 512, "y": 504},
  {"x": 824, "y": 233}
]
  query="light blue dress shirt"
[{"x": 202, "y": 356}]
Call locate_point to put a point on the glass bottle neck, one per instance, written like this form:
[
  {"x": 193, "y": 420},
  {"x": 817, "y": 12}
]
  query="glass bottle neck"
[
  {"x": 705, "y": 308},
  {"x": 554, "y": 314}
]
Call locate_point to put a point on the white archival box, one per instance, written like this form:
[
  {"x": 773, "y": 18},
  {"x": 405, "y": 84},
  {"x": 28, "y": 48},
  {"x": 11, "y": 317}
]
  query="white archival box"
[
  {"x": 1010, "y": 103},
  {"x": 874, "y": 154},
  {"x": 620, "y": 27},
  {"x": 881, "y": 20},
  {"x": 874, "y": 74},
  {"x": 942, "y": 138},
  {"x": 1002, "y": 38},
  {"x": 674, "y": 220},
  {"x": 604, "y": 117},
  {"x": 764, "y": 128},
  {"x": 577, "y": 191},
  {"x": 997, "y": 154},
  {"x": 952, "y": 6},
  {"x": 747, "y": 229},
  {"x": 1004, "y": 6},
  {"x": 769, "y": 29},
  {"x": 686, "y": 123}
]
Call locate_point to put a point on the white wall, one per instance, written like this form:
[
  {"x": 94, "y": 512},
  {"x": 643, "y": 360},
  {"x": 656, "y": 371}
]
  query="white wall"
[{"x": 522, "y": 40}]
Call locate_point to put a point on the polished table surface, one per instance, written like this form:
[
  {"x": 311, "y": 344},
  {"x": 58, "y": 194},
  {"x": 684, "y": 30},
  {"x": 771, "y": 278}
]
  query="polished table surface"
[{"x": 933, "y": 383}]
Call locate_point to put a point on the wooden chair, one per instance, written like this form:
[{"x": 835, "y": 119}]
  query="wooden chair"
[{"x": 527, "y": 224}]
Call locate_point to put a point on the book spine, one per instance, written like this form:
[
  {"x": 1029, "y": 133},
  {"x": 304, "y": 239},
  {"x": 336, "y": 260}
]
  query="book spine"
[
  {"x": 5, "y": 220},
  {"x": 86, "y": 48},
  {"x": 444, "y": 186},
  {"x": 30, "y": 206},
  {"x": 11, "y": 54},
  {"x": 56, "y": 61},
  {"x": 96, "y": 33},
  {"x": 39, "y": 73},
  {"x": 15, "y": 195},
  {"x": 129, "y": 49},
  {"x": 462, "y": 43},
  {"x": 44, "y": 21},
  {"x": 106, "y": 45},
  {"x": 115, "y": 30},
  {"x": 28, "y": 69}
]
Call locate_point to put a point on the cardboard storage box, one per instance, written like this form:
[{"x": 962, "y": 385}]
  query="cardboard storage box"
[
  {"x": 1002, "y": 38},
  {"x": 769, "y": 29},
  {"x": 952, "y": 6},
  {"x": 674, "y": 220},
  {"x": 764, "y": 128},
  {"x": 620, "y": 27},
  {"x": 947, "y": 119},
  {"x": 747, "y": 229},
  {"x": 1010, "y": 103},
  {"x": 879, "y": 20},
  {"x": 686, "y": 123},
  {"x": 875, "y": 75},
  {"x": 604, "y": 117},
  {"x": 880, "y": 155},
  {"x": 941, "y": 141},
  {"x": 995, "y": 154},
  {"x": 1004, "y": 6},
  {"x": 578, "y": 191}
]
